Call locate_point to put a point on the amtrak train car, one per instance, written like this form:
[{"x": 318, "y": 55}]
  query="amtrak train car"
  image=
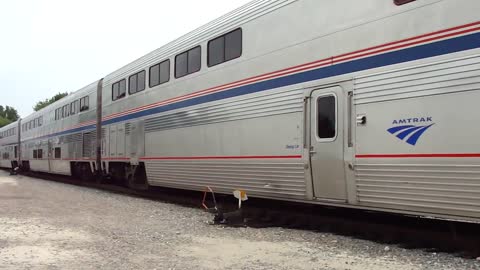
[
  {"x": 366, "y": 104},
  {"x": 49, "y": 139},
  {"x": 9, "y": 145}
]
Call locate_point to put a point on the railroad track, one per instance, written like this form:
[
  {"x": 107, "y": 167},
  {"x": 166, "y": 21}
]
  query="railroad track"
[{"x": 458, "y": 238}]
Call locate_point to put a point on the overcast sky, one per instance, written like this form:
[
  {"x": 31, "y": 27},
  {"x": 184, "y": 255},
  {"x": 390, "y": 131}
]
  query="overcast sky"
[{"x": 51, "y": 46}]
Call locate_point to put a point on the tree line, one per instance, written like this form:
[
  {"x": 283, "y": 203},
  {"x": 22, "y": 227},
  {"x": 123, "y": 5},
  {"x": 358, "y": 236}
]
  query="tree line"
[{"x": 9, "y": 114}]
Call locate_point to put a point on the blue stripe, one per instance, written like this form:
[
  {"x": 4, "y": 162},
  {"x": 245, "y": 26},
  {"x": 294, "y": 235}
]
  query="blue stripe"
[
  {"x": 407, "y": 132},
  {"x": 414, "y": 138},
  {"x": 442, "y": 47}
]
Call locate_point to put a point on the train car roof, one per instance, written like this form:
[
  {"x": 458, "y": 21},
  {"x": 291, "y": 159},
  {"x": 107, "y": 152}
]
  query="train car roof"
[{"x": 218, "y": 26}]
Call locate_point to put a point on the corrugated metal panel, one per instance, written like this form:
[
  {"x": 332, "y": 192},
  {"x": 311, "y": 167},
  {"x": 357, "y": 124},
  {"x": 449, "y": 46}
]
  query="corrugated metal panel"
[
  {"x": 436, "y": 188},
  {"x": 244, "y": 108},
  {"x": 436, "y": 78},
  {"x": 89, "y": 141},
  {"x": 282, "y": 179},
  {"x": 227, "y": 22}
]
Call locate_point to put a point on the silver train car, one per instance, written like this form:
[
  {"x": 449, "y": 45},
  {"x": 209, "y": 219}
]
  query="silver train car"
[
  {"x": 365, "y": 104},
  {"x": 9, "y": 152}
]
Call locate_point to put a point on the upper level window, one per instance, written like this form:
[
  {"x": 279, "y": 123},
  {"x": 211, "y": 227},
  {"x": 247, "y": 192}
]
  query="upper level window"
[
  {"x": 402, "y": 2},
  {"x": 188, "y": 62},
  {"x": 74, "y": 107},
  {"x": 84, "y": 104},
  {"x": 66, "y": 111},
  {"x": 119, "y": 89},
  {"x": 225, "y": 48},
  {"x": 40, "y": 121},
  {"x": 136, "y": 82},
  {"x": 326, "y": 117},
  {"x": 159, "y": 73}
]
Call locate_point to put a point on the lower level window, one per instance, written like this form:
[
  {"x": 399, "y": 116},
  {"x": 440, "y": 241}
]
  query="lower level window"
[{"x": 58, "y": 152}]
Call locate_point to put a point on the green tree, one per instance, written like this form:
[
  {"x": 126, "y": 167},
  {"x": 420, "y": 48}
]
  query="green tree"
[
  {"x": 4, "y": 121},
  {"x": 8, "y": 113},
  {"x": 42, "y": 104}
]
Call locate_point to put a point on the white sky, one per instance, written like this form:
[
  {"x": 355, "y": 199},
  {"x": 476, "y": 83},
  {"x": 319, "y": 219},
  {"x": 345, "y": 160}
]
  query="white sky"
[{"x": 51, "y": 46}]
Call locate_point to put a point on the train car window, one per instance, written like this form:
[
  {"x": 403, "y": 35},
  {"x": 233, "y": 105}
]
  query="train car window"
[
  {"x": 159, "y": 73},
  {"x": 73, "y": 108},
  {"x": 40, "y": 121},
  {"x": 35, "y": 154},
  {"x": 402, "y": 2},
  {"x": 136, "y": 82},
  {"x": 141, "y": 81},
  {"x": 188, "y": 62},
  {"x": 181, "y": 68},
  {"x": 58, "y": 153},
  {"x": 154, "y": 76},
  {"x": 84, "y": 104},
  {"x": 123, "y": 89},
  {"x": 66, "y": 110},
  {"x": 40, "y": 153},
  {"x": 132, "y": 84},
  {"x": 194, "y": 60},
  {"x": 326, "y": 117},
  {"x": 119, "y": 89},
  {"x": 225, "y": 48}
]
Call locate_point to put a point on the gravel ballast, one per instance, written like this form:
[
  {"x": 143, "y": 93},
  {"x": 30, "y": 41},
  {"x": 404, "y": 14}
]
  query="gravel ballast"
[{"x": 50, "y": 225}]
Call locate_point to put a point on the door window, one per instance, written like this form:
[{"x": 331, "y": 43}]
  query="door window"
[{"x": 326, "y": 117}]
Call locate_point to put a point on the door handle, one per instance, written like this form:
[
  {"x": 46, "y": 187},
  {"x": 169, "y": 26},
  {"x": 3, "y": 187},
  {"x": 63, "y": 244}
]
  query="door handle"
[
  {"x": 313, "y": 152},
  {"x": 361, "y": 119}
]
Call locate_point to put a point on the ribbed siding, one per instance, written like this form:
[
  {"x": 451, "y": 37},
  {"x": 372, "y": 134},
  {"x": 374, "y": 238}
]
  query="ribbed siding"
[
  {"x": 436, "y": 188},
  {"x": 437, "y": 78},
  {"x": 238, "y": 109},
  {"x": 230, "y": 21},
  {"x": 266, "y": 179}
]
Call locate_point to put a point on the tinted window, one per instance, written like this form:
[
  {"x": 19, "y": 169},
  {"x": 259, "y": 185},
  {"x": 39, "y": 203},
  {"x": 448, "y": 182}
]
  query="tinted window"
[
  {"x": 216, "y": 51},
  {"x": 84, "y": 104},
  {"x": 194, "y": 60},
  {"x": 58, "y": 152},
  {"x": 115, "y": 88},
  {"x": 326, "y": 117},
  {"x": 181, "y": 65},
  {"x": 165, "y": 71},
  {"x": 119, "y": 89},
  {"x": 225, "y": 48},
  {"x": 136, "y": 82},
  {"x": 188, "y": 62},
  {"x": 122, "y": 91},
  {"x": 73, "y": 108},
  {"x": 154, "y": 75},
  {"x": 233, "y": 45},
  {"x": 132, "y": 86}
]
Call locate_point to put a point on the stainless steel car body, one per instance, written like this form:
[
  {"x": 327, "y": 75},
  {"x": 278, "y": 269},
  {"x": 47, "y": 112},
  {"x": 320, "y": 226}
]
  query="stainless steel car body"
[{"x": 397, "y": 75}]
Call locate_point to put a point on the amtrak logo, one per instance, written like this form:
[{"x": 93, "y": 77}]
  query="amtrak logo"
[{"x": 411, "y": 129}]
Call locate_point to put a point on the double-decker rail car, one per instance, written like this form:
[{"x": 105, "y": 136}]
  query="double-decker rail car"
[
  {"x": 60, "y": 138},
  {"x": 365, "y": 104},
  {"x": 9, "y": 135}
]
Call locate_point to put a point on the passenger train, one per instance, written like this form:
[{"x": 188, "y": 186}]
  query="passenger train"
[{"x": 368, "y": 104}]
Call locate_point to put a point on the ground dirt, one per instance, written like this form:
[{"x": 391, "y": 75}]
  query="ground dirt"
[{"x": 49, "y": 225}]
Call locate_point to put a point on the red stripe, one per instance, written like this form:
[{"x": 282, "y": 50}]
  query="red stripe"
[
  {"x": 408, "y": 44},
  {"x": 302, "y": 67},
  {"x": 466, "y": 155},
  {"x": 412, "y": 38},
  {"x": 221, "y": 157}
]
